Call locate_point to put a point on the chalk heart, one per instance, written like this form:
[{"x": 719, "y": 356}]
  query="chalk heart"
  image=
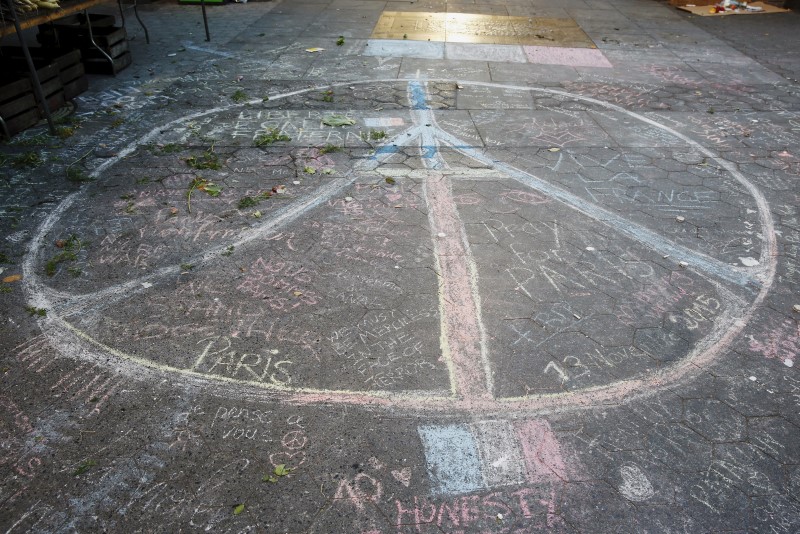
[
  {"x": 635, "y": 486},
  {"x": 394, "y": 197},
  {"x": 403, "y": 476}
]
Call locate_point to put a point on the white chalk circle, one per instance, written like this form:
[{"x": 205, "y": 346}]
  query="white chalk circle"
[{"x": 468, "y": 358}]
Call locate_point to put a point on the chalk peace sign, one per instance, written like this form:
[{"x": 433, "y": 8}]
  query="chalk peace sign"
[{"x": 480, "y": 259}]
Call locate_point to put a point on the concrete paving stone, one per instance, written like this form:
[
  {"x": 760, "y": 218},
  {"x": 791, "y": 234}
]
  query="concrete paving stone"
[
  {"x": 526, "y": 74},
  {"x": 678, "y": 447},
  {"x": 476, "y": 97},
  {"x": 500, "y": 53},
  {"x": 627, "y": 434},
  {"x": 541, "y": 128},
  {"x": 440, "y": 69},
  {"x": 698, "y": 411},
  {"x": 605, "y": 518},
  {"x": 659, "y": 517},
  {"x": 775, "y": 506},
  {"x": 707, "y": 495}
]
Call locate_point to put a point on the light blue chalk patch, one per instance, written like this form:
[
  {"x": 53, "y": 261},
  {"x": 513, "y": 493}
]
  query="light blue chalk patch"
[
  {"x": 452, "y": 459},
  {"x": 418, "y": 96}
]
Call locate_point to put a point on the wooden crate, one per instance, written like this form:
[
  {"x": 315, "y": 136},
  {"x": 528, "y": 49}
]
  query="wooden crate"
[
  {"x": 102, "y": 66},
  {"x": 50, "y": 33},
  {"x": 695, "y": 2},
  {"x": 17, "y": 105},
  {"x": 111, "y": 39},
  {"x": 77, "y": 34},
  {"x": 50, "y": 81},
  {"x": 70, "y": 68}
]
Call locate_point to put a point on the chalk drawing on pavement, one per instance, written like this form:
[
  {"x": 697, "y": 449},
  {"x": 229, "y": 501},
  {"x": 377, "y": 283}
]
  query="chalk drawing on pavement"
[{"x": 464, "y": 342}]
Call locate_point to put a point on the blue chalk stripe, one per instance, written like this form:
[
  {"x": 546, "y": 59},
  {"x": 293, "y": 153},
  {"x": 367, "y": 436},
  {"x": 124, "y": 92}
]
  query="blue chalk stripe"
[{"x": 453, "y": 463}]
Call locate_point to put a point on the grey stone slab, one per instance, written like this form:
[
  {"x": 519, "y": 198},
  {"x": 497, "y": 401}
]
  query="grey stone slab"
[
  {"x": 528, "y": 73},
  {"x": 738, "y": 74},
  {"x": 631, "y": 132},
  {"x": 540, "y": 129},
  {"x": 478, "y": 97},
  {"x": 416, "y": 49},
  {"x": 480, "y": 52},
  {"x": 440, "y": 69},
  {"x": 353, "y": 68}
]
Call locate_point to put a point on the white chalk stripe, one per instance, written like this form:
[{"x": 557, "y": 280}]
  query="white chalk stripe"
[{"x": 501, "y": 460}]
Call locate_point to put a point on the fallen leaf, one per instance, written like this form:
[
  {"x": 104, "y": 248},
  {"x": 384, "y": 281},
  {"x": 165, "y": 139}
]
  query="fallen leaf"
[
  {"x": 310, "y": 170},
  {"x": 83, "y": 467},
  {"x": 554, "y": 149},
  {"x": 390, "y": 181},
  {"x": 12, "y": 278},
  {"x": 337, "y": 120},
  {"x": 212, "y": 189},
  {"x": 238, "y": 509},
  {"x": 328, "y": 171},
  {"x": 314, "y": 49},
  {"x": 297, "y": 293},
  {"x": 281, "y": 470},
  {"x": 257, "y": 214}
]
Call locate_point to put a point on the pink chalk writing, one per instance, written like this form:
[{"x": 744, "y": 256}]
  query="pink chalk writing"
[
  {"x": 474, "y": 511},
  {"x": 283, "y": 285},
  {"x": 781, "y": 341}
]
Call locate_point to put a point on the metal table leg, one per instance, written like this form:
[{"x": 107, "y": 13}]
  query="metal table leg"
[
  {"x": 4, "y": 128},
  {"x": 37, "y": 87},
  {"x": 91, "y": 39},
  {"x": 136, "y": 13},
  {"x": 205, "y": 19},
  {"x": 138, "y": 18}
]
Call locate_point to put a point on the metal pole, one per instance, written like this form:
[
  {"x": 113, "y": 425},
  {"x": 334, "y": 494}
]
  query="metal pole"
[
  {"x": 91, "y": 40},
  {"x": 205, "y": 19},
  {"x": 136, "y": 12},
  {"x": 37, "y": 87}
]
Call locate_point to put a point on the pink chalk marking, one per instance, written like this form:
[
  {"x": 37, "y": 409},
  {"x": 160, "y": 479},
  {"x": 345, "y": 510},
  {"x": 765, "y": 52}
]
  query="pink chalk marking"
[
  {"x": 541, "y": 451},
  {"x": 552, "y": 518},
  {"x": 526, "y": 197},
  {"x": 110, "y": 391},
  {"x": 67, "y": 376},
  {"x": 570, "y": 57},
  {"x": 89, "y": 384},
  {"x": 780, "y": 342},
  {"x": 461, "y": 313},
  {"x": 358, "y": 491}
]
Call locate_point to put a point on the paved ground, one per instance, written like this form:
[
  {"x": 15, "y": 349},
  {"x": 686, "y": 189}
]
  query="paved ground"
[{"x": 517, "y": 291}]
